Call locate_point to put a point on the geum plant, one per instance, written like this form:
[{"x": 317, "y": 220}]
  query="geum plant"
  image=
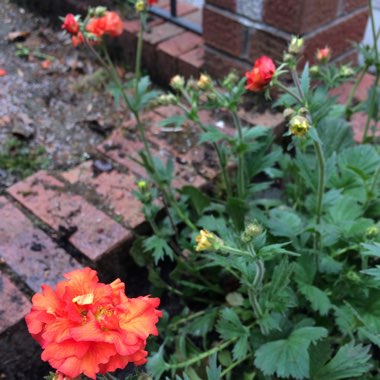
[{"x": 283, "y": 280}]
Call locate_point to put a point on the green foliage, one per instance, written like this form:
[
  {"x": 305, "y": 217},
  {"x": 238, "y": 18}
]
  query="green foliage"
[{"x": 290, "y": 356}]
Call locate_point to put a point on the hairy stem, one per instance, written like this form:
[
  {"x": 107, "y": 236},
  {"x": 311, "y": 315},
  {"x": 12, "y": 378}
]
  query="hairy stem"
[{"x": 241, "y": 158}]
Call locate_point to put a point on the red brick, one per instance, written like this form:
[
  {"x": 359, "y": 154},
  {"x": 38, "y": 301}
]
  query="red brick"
[
  {"x": 218, "y": 64},
  {"x": 114, "y": 188},
  {"x": 264, "y": 43},
  {"x": 96, "y": 234},
  {"x": 13, "y": 304},
  {"x": 299, "y": 16},
  {"x": 358, "y": 122},
  {"x": 169, "y": 51},
  {"x": 366, "y": 84},
  {"x": 191, "y": 63},
  {"x": 339, "y": 37},
  {"x": 350, "y": 5},
  {"x": 223, "y": 32},
  {"x": 229, "y": 5},
  {"x": 29, "y": 251}
]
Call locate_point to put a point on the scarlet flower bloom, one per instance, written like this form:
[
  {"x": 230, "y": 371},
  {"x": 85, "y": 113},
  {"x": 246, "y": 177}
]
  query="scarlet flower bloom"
[
  {"x": 71, "y": 24},
  {"x": 152, "y": 2},
  {"x": 110, "y": 23},
  {"x": 3, "y": 72},
  {"x": 323, "y": 55},
  {"x": 261, "y": 75},
  {"x": 87, "y": 327},
  {"x": 78, "y": 39}
]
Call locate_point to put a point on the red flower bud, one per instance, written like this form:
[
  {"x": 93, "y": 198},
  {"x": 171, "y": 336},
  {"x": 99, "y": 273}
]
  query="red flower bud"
[
  {"x": 261, "y": 75},
  {"x": 3, "y": 72},
  {"x": 323, "y": 55},
  {"x": 71, "y": 24}
]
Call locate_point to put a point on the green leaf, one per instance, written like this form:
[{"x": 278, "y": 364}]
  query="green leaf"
[
  {"x": 371, "y": 250},
  {"x": 236, "y": 209},
  {"x": 318, "y": 299},
  {"x": 198, "y": 199},
  {"x": 284, "y": 222},
  {"x": 272, "y": 250},
  {"x": 156, "y": 364},
  {"x": 159, "y": 247},
  {"x": 213, "y": 371},
  {"x": 350, "y": 361},
  {"x": 202, "y": 325},
  {"x": 229, "y": 326},
  {"x": 305, "y": 80},
  {"x": 289, "y": 357},
  {"x": 177, "y": 121},
  {"x": 374, "y": 272}
]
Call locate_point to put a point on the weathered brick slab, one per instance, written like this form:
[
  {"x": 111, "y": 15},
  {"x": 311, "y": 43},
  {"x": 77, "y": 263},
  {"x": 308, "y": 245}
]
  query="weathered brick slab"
[
  {"x": 13, "y": 304},
  {"x": 92, "y": 232},
  {"x": 114, "y": 188},
  {"x": 29, "y": 251}
]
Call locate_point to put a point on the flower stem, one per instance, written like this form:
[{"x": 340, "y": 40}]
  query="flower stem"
[
  {"x": 355, "y": 86},
  {"x": 297, "y": 83},
  {"x": 291, "y": 93},
  {"x": 139, "y": 52},
  {"x": 321, "y": 185},
  {"x": 201, "y": 356},
  {"x": 233, "y": 365},
  {"x": 241, "y": 166}
]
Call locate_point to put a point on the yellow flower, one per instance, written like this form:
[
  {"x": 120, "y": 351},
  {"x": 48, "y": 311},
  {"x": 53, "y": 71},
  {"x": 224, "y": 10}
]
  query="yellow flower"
[
  {"x": 299, "y": 125},
  {"x": 140, "y": 6},
  {"x": 204, "y": 82},
  {"x": 207, "y": 241}
]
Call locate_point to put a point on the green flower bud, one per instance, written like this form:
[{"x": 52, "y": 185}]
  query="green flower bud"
[
  {"x": 251, "y": 231},
  {"x": 296, "y": 45}
]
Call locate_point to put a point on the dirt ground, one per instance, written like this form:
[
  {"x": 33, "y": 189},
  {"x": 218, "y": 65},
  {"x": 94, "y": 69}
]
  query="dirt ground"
[{"x": 53, "y": 105}]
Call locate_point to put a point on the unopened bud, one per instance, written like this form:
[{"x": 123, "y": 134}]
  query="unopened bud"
[
  {"x": 346, "y": 71},
  {"x": 140, "y": 6},
  {"x": 314, "y": 69},
  {"x": 204, "y": 82},
  {"x": 299, "y": 125},
  {"x": 100, "y": 11},
  {"x": 296, "y": 45},
  {"x": 353, "y": 276},
  {"x": 372, "y": 232},
  {"x": 251, "y": 231},
  {"x": 231, "y": 79},
  {"x": 166, "y": 99},
  {"x": 323, "y": 55},
  {"x": 288, "y": 113},
  {"x": 177, "y": 82}
]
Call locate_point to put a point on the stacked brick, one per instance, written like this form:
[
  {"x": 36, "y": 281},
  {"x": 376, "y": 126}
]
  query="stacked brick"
[{"x": 237, "y": 32}]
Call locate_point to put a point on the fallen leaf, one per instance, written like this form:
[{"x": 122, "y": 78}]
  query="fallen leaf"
[{"x": 18, "y": 36}]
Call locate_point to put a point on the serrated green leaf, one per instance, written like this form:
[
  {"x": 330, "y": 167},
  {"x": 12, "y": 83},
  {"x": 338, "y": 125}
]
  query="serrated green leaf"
[
  {"x": 284, "y": 222},
  {"x": 318, "y": 299},
  {"x": 350, "y": 361},
  {"x": 213, "y": 371},
  {"x": 159, "y": 248},
  {"x": 289, "y": 357},
  {"x": 305, "y": 80},
  {"x": 372, "y": 249},
  {"x": 237, "y": 209},
  {"x": 156, "y": 364}
]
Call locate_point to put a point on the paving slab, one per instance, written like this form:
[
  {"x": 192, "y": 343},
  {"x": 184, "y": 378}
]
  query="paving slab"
[
  {"x": 89, "y": 230},
  {"x": 28, "y": 251}
]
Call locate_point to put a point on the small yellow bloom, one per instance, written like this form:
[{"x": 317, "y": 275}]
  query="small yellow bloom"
[
  {"x": 299, "y": 125},
  {"x": 140, "y": 6},
  {"x": 207, "y": 241},
  {"x": 142, "y": 185},
  {"x": 204, "y": 82}
]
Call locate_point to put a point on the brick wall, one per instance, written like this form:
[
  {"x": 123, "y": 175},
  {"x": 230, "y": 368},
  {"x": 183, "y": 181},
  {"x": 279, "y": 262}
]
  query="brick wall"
[{"x": 239, "y": 31}]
